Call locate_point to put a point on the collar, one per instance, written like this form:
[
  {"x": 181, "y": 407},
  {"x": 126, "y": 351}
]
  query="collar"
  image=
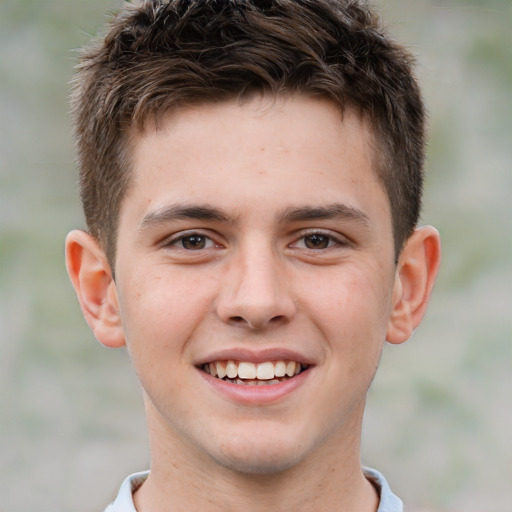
[{"x": 124, "y": 501}]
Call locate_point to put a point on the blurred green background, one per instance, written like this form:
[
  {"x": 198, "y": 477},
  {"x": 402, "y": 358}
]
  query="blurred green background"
[{"x": 440, "y": 412}]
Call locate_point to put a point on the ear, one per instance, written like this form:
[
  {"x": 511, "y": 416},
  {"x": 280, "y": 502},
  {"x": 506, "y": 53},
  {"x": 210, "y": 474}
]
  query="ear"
[
  {"x": 90, "y": 273},
  {"x": 415, "y": 276}
]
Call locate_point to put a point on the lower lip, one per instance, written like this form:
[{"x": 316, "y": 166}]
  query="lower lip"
[{"x": 256, "y": 395}]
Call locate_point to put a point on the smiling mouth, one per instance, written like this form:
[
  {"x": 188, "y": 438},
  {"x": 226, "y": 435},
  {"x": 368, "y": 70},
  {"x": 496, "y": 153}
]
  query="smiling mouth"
[{"x": 254, "y": 374}]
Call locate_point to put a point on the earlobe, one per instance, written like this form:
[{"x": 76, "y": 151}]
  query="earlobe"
[
  {"x": 90, "y": 273},
  {"x": 415, "y": 276}
]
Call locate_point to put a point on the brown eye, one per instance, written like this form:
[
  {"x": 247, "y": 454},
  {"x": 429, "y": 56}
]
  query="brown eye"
[
  {"x": 317, "y": 241},
  {"x": 193, "y": 242}
]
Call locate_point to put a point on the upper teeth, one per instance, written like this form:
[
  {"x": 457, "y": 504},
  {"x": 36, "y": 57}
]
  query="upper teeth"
[{"x": 246, "y": 370}]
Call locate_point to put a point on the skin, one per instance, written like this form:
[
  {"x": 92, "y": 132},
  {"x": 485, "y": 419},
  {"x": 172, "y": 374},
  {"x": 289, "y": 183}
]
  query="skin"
[{"x": 255, "y": 230}]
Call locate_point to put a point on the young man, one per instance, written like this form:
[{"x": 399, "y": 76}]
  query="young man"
[{"x": 251, "y": 175}]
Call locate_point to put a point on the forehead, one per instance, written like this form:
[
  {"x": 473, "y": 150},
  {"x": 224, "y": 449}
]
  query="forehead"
[{"x": 287, "y": 152}]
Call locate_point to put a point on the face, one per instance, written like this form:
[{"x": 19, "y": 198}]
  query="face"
[{"x": 255, "y": 241}]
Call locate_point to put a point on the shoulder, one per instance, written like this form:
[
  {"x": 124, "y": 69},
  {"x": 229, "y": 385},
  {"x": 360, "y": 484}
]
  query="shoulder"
[
  {"x": 124, "y": 500},
  {"x": 388, "y": 501}
]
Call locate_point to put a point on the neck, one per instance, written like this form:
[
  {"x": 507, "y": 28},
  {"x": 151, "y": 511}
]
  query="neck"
[{"x": 331, "y": 478}]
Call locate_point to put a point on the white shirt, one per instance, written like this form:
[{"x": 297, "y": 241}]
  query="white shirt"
[{"x": 124, "y": 501}]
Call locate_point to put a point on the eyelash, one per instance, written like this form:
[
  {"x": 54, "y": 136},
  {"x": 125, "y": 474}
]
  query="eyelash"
[
  {"x": 332, "y": 241},
  {"x": 175, "y": 240}
]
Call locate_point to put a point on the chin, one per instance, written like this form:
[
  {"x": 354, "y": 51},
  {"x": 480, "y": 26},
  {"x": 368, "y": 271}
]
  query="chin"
[
  {"x": 265, "y": 458},
  {"x": 258, "y": 465}
]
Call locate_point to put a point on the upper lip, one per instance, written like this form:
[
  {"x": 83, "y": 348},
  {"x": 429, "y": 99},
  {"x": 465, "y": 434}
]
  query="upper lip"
[{"x": 255, "y": 356}]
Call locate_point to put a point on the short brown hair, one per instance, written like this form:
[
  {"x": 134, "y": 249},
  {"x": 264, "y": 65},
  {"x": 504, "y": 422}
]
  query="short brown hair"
[{"x": 159, "y": 55}]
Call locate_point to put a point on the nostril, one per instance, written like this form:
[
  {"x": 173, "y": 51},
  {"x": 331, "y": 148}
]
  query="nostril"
[{"x": 255, "y": 323}]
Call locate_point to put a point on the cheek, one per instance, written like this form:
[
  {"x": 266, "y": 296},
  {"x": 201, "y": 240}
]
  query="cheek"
[
  {"x": 352, "y": 308},
  {"x": 160, "y": 315},
  {"x": 162, "y": 310}
]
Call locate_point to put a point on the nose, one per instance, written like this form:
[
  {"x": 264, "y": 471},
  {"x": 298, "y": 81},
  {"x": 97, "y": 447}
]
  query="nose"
[{"x": 255, "y": 292}]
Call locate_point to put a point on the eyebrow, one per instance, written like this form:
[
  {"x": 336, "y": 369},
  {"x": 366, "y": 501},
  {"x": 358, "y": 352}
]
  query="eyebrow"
[
  {"x": 181, "y": 212},
  {"x": 336, "y": 211}
]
